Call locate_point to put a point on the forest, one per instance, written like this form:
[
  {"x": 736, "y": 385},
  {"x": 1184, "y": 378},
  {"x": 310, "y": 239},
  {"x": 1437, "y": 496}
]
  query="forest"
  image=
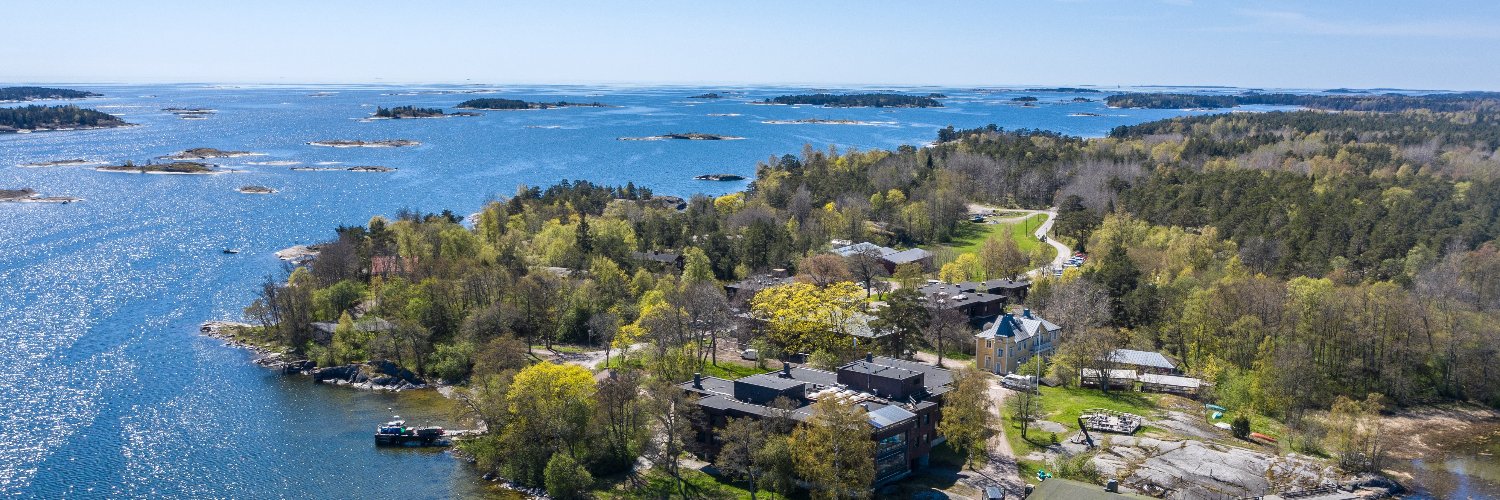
[
  {"x": 35, "y": 93},
  {"x": 499, "y": 103},
  {"x": 54, "y": 117},
  {"x": 1445, "y": 102},
  {"x": 874, "y": 100},
  {"x": 407, "y": 112},
  {"x": 1296, "y": 259}
]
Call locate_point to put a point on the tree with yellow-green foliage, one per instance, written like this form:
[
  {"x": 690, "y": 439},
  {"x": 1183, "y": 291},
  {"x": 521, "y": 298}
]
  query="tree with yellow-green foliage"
[
  {"x": 805, "y": 318},
  {"x": 965, "y": 267},
  {"x": 548, "y": 410},
  {"x": 834, "y": 453}
]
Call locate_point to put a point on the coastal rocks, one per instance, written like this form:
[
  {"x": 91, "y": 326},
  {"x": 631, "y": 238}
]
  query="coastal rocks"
[
  {"x": 191, "y": 113},
  {"x": 28, "y": 195},
  {"x": 205, "y": 153},
  {"x": 256, "y": 190},
  {"x": 73, "y": 162},
  {"x": 1198, "y": 469},
  {"x": 690, "y": 136},
  {"x": 298, "y": 254},
  {"x": 719, "y": 177},
  {"x": 385, "y": 143},
  {"x": 380, "y": 375},
  {"x": 173, "y": 168},
  {"x": 362, "y": 168}
]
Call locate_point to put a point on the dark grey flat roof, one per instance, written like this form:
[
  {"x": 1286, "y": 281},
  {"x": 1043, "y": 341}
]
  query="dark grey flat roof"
[{"x": 771, "y": 381}]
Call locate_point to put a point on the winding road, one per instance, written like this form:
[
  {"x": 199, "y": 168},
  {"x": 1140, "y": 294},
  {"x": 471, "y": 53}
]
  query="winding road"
[{"x": 1063, "y": 252}]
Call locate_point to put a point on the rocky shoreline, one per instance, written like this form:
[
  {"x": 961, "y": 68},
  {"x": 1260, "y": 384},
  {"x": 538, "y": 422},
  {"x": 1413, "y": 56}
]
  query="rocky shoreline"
[
  {"x": 28, "y": 195},
  {"x": 690, "y": 136}
]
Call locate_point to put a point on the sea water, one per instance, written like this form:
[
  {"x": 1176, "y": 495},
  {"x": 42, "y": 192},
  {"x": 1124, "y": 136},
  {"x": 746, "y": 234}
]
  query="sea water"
[{"x": 108, "y": 389}]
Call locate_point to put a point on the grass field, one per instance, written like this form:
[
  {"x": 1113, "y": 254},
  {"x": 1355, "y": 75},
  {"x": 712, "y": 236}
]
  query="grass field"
[
  {"x": 971, "y": 236},
  {"x": 1065, "y": 404}
]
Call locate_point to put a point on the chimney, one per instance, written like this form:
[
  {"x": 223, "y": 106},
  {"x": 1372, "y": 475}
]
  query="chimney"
[
  {"x": 1112, "y": 486},
  {"x": 786, "y": 370},
  {"x": 869, "y": 357},
  {"x": 1026, "y": 313},
  {"x": 697, "y": 380}
]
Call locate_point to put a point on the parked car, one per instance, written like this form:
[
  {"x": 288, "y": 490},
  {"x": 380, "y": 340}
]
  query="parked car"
[{"x": 749, "y": 354}]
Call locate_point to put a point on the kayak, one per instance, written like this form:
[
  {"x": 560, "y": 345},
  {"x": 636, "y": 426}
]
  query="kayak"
[
  {"x": 1258, "y": 435},
  {"x": 1215, "y": 407}
]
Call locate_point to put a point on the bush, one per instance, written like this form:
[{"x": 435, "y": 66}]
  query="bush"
[
  {"x": 1078, "y": 467},
  {"x": 1240, "y": 427},
  {"x": 566, "y": 479}
]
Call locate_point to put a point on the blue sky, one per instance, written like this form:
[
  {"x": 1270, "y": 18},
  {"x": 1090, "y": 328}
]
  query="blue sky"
[{"x": 1313, "y": 44}]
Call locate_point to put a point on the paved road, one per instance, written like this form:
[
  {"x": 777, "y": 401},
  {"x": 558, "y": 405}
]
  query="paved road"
[{"x": 1063, "y": 252}]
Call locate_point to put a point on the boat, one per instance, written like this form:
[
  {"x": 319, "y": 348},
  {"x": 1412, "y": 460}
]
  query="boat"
[
  {"x": 397, "y": 433},
  {"x": 1262, "y": 437},
  {"x": 1215, "y": 407},
  {"x": 231, "y": 251}
]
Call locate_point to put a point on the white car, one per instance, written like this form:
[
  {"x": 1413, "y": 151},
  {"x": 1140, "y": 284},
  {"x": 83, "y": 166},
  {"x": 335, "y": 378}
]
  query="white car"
[{"x": 749, "y": 354}]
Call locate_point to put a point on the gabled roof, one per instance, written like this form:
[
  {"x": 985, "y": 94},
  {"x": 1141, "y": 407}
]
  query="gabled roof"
[
  {"x": 849, "y": 250},
  {"x": 907, "y": 256},
  {"x": 1019, "y": 327},
  {"x": 1142, "y": 358}
]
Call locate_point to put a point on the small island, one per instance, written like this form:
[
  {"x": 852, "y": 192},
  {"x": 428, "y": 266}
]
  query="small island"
[
  {"x": 176, "y": 167},
  {"x": 1024, "y": 98},
  {"x": 206, "y": 153},
  {"x": 21, "y": 94},
  {"x": 33, "y": 118},
  {"x": 937, "y": 95},
  {"x": 858, "y": 100},
  {"x": 385, "y": 143},
  {"x": 28, "y": 195},
  {"x": 1084, "y": 114},
  {"x": 71, "y": 162},
  {"x": 191, "y": 113},
  {"x": 400, "y": 112},
  {"x": 256, "y": 190},
  {"x": 495, "y": 103},
  {"x": 719, "y": 177},
  {"x": 364, "y": 168},
  {"x": 710, "y": 95},
  {"x": 1080, "y": 99},
  {"x": 823, "y": 121},
  {"x": 690, "y": 136},
  {"x": 1066, "y": 90}
]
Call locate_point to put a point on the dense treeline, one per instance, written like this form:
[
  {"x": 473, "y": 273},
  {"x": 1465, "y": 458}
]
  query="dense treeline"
[
  {"x": 54, "y": 117},
  {"x": 877, "y": 100},
  {"x": 34, "y": 93},
  {"x": 407, "y": 112},
  {"x": 499, "y": 103},
  {"x": 1449, "y": 102}
]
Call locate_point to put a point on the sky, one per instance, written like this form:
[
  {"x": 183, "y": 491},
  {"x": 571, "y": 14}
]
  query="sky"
[{"x": 1260, "y": 44}]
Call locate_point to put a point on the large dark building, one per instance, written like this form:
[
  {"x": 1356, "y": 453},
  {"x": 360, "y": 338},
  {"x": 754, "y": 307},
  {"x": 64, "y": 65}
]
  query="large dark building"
[
  {"x": 981, "y": 301},
  {"x": 903, "y": 400}
]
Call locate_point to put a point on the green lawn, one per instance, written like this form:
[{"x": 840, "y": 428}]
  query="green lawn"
[
  {"x": 1064, "y": 405},
  {"x": 699, "y": 485},
  {"x": 971, "y": 236}
]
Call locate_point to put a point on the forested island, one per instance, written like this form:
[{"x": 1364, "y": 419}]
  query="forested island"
[
  {"x": 1446, "y": 102},
  {"x": 35, "y": 118},
  {"x": 710, "y": 95},
  {"x": 1319, "y": 270},
  {"x": 882, "y": 100},
  {"x": 400, "y": 112},
  {"x": 1024, "y": 98},
  {"x": 493, "y": 103},
  {"x": 19, "y": 94}
]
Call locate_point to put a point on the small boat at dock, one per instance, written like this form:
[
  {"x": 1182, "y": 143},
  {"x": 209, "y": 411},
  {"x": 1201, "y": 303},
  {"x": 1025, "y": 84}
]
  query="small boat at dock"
[{"x": 397, "y": 433}]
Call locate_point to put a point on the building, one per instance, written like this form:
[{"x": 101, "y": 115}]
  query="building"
[
  {"x": 980, "y": 307},
  {"x": 1143, "y": 361},
  {"x": 889, "y": 257},
  {"x": 902, "y": 399},
  {"x": 659, "y": 260},
  {"x": 1012, "y": 340},
  {"x": 748, "y": 287}
]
